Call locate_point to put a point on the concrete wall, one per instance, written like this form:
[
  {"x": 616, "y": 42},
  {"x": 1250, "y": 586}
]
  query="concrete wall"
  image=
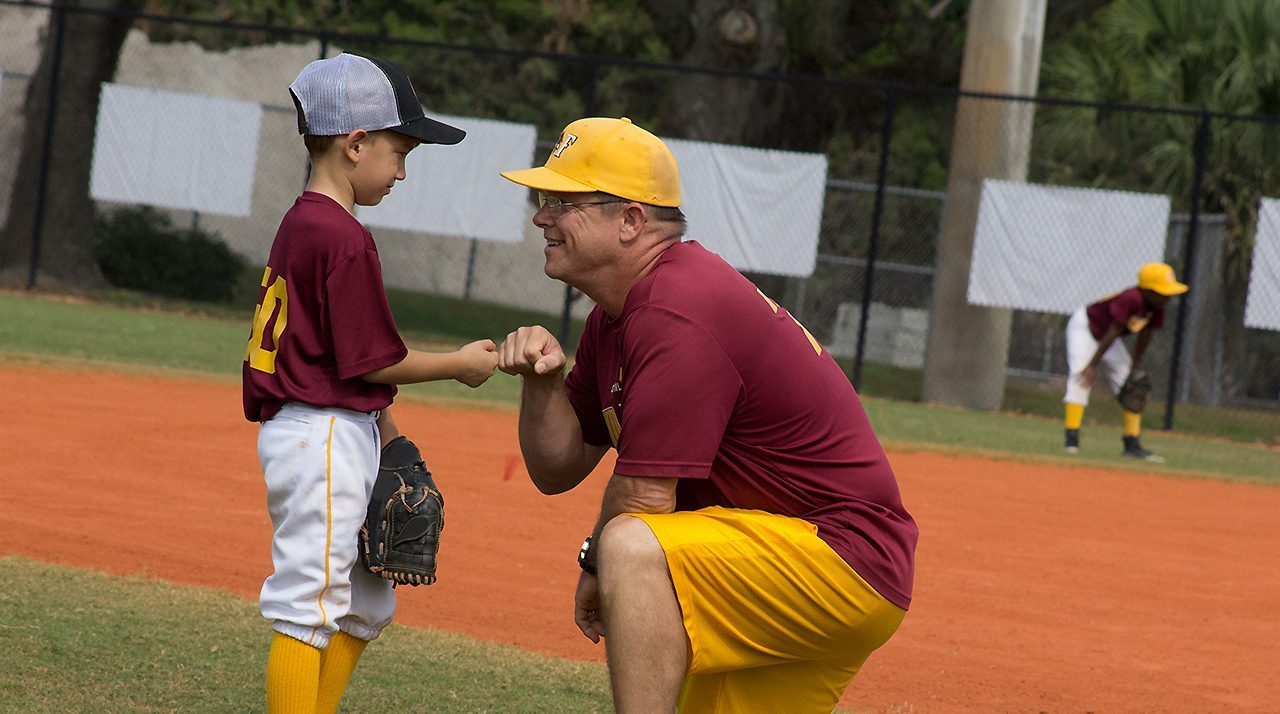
[{"x": 895, "y": 335}]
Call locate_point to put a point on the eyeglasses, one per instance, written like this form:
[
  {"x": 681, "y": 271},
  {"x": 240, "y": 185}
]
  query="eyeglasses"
[{"x": 556, "y": 207}]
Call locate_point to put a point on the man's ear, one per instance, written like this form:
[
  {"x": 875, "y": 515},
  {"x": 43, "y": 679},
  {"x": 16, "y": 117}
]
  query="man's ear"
[
  {"x": 354, "y": 143},
  {"x": 634, "y": 218}
]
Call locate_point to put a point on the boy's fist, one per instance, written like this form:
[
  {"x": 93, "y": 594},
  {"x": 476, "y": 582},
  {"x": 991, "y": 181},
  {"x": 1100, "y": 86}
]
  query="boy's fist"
[{"x": 478, "y": 361}]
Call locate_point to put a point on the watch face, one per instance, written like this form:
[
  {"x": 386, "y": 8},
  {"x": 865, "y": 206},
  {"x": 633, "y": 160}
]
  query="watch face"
[{"x": 582, "y": 555}]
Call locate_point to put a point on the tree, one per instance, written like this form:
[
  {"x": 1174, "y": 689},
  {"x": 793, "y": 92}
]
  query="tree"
[{"x": 89, "y": 45}]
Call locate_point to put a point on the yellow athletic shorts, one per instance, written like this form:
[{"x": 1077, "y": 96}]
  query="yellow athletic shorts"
[{"x": 777, "y": 622}]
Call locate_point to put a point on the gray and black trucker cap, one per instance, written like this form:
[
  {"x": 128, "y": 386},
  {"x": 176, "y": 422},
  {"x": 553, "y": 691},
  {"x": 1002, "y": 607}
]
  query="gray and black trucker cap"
[{"x": 348, "y": 92}]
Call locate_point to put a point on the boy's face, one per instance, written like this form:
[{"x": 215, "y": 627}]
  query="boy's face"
[
  {"x": 379, "y": 162},
  {"x": 1154, "y": 299}
]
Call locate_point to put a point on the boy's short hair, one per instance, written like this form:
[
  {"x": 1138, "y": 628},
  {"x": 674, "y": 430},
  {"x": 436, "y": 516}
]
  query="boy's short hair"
[
  {"x": 339, "y": 95},
  {"x": 318, "y": 144}
]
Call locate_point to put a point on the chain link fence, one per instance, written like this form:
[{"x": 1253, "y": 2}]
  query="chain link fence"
[{"x": 869, "y": 297}]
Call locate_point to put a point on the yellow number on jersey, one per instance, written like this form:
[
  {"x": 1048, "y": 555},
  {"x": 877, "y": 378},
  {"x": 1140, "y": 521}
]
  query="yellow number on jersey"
[
  {"x": 258, "y": 358},
  {"x": 816, "y": 346}
]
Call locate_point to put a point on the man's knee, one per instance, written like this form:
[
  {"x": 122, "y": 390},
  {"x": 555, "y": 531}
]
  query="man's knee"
[{"x": 628, "y": 540}]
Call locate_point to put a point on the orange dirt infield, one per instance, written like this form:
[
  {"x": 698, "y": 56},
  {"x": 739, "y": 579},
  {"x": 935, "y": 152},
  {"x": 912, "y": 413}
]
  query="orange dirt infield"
[{"x": 1038, "y": 588}]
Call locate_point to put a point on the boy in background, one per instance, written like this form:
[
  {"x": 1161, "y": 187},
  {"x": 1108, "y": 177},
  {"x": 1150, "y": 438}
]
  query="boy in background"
[
  {"x": 1093, "y": 341},
  {"x": 320, "y": 370}
]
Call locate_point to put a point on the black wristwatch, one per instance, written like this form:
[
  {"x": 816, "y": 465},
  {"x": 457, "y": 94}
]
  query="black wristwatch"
[{"x": 587, "y": 567}]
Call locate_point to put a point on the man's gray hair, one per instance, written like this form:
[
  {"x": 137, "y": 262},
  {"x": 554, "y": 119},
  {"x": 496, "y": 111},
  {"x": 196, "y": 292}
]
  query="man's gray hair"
[
  {"x": 669, "y": 214},
  {"x": 662, "y": 214}
]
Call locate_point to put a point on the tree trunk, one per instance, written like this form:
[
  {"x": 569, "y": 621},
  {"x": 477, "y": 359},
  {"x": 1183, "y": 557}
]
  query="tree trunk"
[
  {"x": 90, "y": 47},
  {"x": 725, "y": 34},
  {"x": 967, "y": 350}
]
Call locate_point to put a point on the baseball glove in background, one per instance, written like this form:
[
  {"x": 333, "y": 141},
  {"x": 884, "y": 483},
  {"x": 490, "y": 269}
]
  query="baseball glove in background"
[
  {"x": 1134, "y": 392},
  {"x": 401, "y": 534}
]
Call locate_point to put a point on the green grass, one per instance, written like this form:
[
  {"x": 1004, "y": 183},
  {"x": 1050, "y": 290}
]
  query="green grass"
[
  {"x": 903, "y": 425},
  {"x": 36, "y": 328},
  {"x": 1256, "y": 426},
  {"x": 168, "y": 334},
  {"x": 80, "y": 641},
  {"x": 426, "y": 318}
]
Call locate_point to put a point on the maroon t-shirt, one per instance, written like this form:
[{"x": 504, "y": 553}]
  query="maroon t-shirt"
[
  {"x": 704, "y": 379},
  {"x": 1126, "y": 308},
  {"x": 322, "y": 319}
]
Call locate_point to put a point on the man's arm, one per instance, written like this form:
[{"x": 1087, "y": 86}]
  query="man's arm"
[
  {"x": 624, "y": 494},
  {"x": 550, "y": 436}
]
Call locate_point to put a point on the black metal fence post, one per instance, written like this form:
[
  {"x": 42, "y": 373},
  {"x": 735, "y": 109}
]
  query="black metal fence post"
[
  {"x": 886, "y": 136},
  {"x": 59, "y": 21},
  {"x": 471, "y": 270},
  {"x": 1203, "y": 137}
]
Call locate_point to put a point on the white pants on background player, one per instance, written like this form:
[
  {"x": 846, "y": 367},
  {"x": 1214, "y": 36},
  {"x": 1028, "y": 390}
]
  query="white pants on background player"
[
  {"x": 320, "y": 466},
  {"x": 1116, "y": 362}
]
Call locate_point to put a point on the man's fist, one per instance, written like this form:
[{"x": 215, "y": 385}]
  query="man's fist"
[{"x": 531, "y": 351}]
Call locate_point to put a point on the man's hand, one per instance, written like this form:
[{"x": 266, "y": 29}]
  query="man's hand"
[
  {"x": 531, "y": 351},
  {"x": 477, "y": 361},
  {"x": 586, "y": 608}
]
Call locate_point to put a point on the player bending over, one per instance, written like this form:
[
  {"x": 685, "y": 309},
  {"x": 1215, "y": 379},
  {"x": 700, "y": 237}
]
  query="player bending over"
[{"x": 1093, "y": 343}]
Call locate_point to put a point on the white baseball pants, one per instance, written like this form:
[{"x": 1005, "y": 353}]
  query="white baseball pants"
[
  {"x": 1115, "y": 364},
  {"x": 319, "y": 466}
]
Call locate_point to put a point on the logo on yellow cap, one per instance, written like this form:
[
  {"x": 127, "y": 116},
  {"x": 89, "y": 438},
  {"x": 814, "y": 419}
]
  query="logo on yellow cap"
[{"x": 566, "y": 140}]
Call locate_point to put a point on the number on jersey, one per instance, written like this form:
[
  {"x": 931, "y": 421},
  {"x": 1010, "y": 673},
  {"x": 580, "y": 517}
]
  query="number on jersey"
[
  {"x": 257, "y": 357},
  {"x": 817, "y": 347}
]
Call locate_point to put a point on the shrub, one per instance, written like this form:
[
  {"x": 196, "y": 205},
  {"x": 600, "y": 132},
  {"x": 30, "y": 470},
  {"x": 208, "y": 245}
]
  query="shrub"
[{"x": 139, "y": 248}]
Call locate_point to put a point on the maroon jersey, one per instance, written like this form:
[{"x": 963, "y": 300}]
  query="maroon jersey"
[
  {"x": 1126, "y": 308},
  {"x": 322, "y": 319},
  {"x": 705, "y": 379}
]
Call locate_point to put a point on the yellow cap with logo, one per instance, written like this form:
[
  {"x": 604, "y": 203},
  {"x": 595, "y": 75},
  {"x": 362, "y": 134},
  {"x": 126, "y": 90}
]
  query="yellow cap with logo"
[
  {"x": 609, "y": 155},
  {"x": 1160, "y": 278}
]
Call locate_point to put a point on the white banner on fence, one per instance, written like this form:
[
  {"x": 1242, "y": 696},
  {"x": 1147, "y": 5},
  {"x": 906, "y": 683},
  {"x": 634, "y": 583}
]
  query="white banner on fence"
[
  {"x": 759, "y": 209},
  {"x": 175, "y": 150},
  {"x": 1053, "y": 249},
  {"x": 456, "y": 190},
  {"x": 1262, "y": 305}
]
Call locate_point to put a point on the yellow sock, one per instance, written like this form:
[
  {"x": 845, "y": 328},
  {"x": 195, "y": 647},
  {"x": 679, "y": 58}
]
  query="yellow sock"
[
  {"x": 293, "y": 674},
  {"x": 1132, "y": 423},
  {"x": 1075, "y": 415},
  {"x": 337, "y": 662}
]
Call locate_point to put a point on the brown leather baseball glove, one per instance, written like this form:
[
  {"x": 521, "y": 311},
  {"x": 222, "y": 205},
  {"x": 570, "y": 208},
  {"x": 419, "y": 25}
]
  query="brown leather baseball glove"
[{"x": 1134, "y": 392}]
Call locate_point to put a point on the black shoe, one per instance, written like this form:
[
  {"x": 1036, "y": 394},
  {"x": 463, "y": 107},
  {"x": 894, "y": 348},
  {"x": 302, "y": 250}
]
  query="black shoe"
[
  {"x": 1133, "y": 449},
  {"x": 1072, "y": 443}
]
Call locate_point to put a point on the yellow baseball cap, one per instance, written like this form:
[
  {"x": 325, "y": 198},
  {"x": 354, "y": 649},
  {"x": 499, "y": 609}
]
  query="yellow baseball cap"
[
  {"x": 609, "y": 155},
  {"x": 1160, "y": 278}
]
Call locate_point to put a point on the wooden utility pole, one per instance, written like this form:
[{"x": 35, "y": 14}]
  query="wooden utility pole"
[{"x": 968, "y": 347}]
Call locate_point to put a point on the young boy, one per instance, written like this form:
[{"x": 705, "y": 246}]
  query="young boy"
[
  {"x": 320, "y": 370},
  {"x": 1093, "y": 341}
]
